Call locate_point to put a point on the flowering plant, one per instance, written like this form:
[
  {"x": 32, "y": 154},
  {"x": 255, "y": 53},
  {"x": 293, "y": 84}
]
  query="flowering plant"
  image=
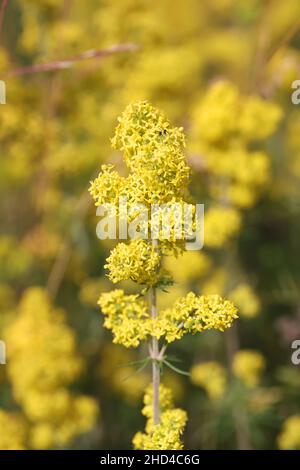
[{"x": 158, "y": 173}]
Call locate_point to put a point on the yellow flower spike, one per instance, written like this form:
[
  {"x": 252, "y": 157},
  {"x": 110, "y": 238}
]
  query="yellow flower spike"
[
  {"x": 158, "y": 174},
  {"x": 153, "y": 153}
]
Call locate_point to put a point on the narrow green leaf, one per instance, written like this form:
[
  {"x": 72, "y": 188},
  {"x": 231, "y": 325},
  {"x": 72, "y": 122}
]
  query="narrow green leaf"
[{"x": 179, "y": 371}]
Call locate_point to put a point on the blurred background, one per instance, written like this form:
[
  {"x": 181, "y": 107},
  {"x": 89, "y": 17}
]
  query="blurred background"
[{"x": 222, "y": 69}]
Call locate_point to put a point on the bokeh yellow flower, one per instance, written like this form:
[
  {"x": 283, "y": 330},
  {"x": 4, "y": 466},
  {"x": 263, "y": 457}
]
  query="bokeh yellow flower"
[
  {"x": 211, "y": 376},
  {"x": 246, "y": 300},
  {"x": 289, "y": 438},
  {"x": 248, "y": 365}
]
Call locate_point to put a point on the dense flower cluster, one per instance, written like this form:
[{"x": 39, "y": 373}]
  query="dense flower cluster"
[
  {"x": 158, "y": 174},
  {"x": 108, "y": 186},
  {"x": 130, "y": 322},
  {"x": 126, "y": 316},
  {"x": 248, "y": 366},
  {"x": 152, "y": 151},
  {"x": 167, "y": 434},
  {"x": 211, "y": 376},
  {"x": 194, "y": 314},
  {"x": 137, "y": 260},
  {"x": 39, "y": 338}
]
